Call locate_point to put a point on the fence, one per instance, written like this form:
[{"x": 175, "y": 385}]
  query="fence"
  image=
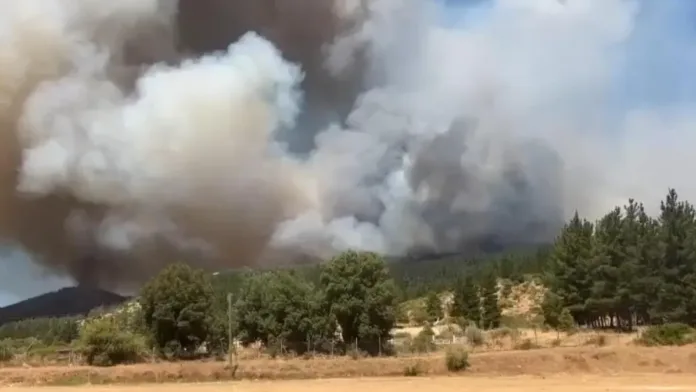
[{"x": 403, "y": 345}]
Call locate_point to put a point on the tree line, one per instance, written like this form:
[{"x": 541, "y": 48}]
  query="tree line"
[{"x": 627, "y": 268}]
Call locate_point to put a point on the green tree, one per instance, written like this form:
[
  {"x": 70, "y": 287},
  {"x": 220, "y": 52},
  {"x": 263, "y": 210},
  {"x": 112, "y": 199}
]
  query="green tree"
[
  {"x": 565, "y": 321},
  {"x": 176, "y": 306},
  {"x": 279, "y": 306},
  {"x": 467, "y": 304},
  {"x": 647, "y": 250},
  {"x": 551, "y": 309},
  {"x": 361, "y": 295},
  {"x": 433, "y": 307},
  {"x": 105, "y": 343},
  {"x": 569, "y": 275},
  {"x": 491, "y": 313},
  {"x": 419, "y": 316},
  {"x": 609, "y": 257},
  {"x": 674, "y": 301}
]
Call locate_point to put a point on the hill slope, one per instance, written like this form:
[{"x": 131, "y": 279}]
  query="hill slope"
[{"x": 70, "y": 301}]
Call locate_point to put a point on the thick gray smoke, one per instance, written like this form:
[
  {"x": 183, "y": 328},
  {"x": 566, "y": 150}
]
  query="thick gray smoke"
[{"x": 229, "y": 133}]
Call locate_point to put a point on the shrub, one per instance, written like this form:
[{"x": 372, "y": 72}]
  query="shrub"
[
  {"x": 413, "y": 370},
  {"x": 457, "y": 359},
  {"x": 105, "y": 344},
  {"x": 673, "y": 334}
]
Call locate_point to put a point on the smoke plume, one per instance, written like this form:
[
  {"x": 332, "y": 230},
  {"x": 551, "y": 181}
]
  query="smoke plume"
[{"x": 237, "y": 133}]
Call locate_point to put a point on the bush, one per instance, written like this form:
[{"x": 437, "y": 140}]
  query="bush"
[
  {"x": 457, "y": 359},
  {"x": 413, "y": 370},
  {"x": 105, "y": 344},
  {"x": 673, "y": 334}
]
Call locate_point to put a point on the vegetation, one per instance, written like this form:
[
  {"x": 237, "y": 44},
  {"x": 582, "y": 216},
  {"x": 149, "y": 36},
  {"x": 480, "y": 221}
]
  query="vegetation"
[
  {"x": 467, "y": 304},
  {"x": 433, "y": 307},
  {"x": 456, "y": 359},
  {"x": 673, "y": 334},
  {"x": 360, "y": 295},
  {"x": 47, "y": 330},
  {"x": 625, "y": 270},
  {"x": 281, "y": 308},
  {"x": 105, "y": 343},
  {"x": 628, "y": 268},
  {"x": 490, "y": 315},
  {"x": 177, "y": 308},
  {"x": 423, "y": 342}
]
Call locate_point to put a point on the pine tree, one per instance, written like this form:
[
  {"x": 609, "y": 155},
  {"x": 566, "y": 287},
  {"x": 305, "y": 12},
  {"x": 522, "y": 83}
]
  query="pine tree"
[
  {"x": 647, "y": 274},
  {"x": 608, "y": 258},
  {"x": 467, "y": 304},
  {"x": 490, "y": 317},
  {"x": 677, "y": 224},
  {"x": 433, "y": 307},
  {"x": 568, "y": 275}
]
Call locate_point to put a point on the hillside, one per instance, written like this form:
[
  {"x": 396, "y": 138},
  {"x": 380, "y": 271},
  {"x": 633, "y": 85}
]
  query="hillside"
[{"x": 70, "y": 301}]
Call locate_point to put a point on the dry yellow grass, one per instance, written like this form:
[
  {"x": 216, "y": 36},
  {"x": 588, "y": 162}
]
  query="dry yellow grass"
[
  {"x": 541, "y": 362},
  {"x": 632, "y": 383}
]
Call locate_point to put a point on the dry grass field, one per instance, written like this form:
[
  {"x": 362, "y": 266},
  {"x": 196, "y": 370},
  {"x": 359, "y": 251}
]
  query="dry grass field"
[
  {"x": 543, "y": 369},
  {"x": 632, "y": 383}
]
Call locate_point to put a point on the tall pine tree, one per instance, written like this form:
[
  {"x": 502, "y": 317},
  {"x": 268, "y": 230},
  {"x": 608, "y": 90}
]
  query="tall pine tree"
[
  {"x": 490, "y": 317},
  {"x": 608, "y": 258},
  {"x": 433, "y": 307},
  {"x": 568, "y": 275},
  {"x": 677, "y": 221},
  {"x": 467, "y": 304}
]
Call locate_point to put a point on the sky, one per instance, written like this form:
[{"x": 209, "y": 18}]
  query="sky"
[
  {"x": 659, "y": 63},
  {"x": 29, "y": 280}
]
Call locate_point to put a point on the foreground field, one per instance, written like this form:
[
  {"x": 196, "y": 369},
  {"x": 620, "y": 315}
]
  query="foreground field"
[
  {"x": 583, "y": 361},
  {"x": 633, "y": 383}
]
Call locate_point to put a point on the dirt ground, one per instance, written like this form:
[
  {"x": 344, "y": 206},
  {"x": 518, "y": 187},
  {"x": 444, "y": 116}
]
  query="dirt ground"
[
  {"x": 612, "y": 368},
  {"x": 632, "y": 383}
]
